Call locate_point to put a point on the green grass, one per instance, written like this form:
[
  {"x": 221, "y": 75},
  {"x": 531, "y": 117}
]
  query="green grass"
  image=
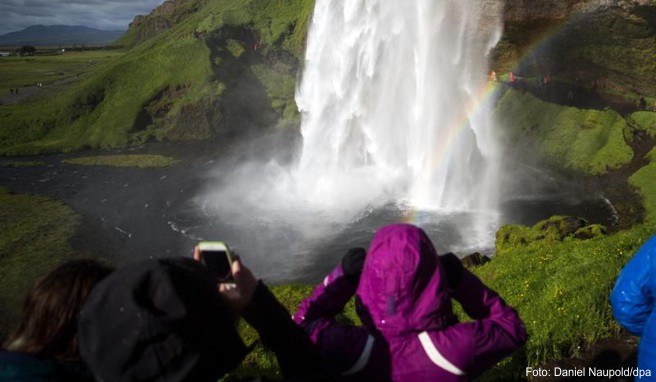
[
  {"x": 102, "y": 109},
  {"x": 645, "y": 120},
  {"x": 34, "y": 237},
  {"x": 141, "y": 161},
  {"x": 561, "y": 289},
  {"x": 590, "y": 141},
  {"x": 16, "y": 72},
  {"x": 280, "y": 87},
  {"x": 644, "y": 181}
]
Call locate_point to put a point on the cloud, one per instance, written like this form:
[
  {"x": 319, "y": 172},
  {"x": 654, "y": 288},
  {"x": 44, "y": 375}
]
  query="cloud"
[{"x": 101, "y": 14}]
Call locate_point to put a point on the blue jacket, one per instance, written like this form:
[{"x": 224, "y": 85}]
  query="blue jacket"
[{"x": 634, "y": 303}]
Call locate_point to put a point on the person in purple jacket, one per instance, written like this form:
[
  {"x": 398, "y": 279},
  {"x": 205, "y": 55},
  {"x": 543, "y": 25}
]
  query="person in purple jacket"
[{"x": 403, "y": 298}]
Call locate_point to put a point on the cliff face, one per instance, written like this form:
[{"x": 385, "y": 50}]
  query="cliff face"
[
  {"x": 161, "y": 19},
  {"x": 532, "y": 10},
  {"x": 608, "y": 42}
]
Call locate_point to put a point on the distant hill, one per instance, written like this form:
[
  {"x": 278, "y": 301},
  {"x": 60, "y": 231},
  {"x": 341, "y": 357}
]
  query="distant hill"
[{"x": 60, "y": 34}]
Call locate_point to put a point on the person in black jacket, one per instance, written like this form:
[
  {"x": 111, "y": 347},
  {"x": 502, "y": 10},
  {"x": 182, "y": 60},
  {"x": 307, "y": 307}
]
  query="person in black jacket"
[{"x": 169, "y": 320}]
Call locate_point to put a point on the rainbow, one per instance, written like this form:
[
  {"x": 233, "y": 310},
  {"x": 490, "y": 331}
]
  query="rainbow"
[
  {"x": 487, "y": 92},
  {"x": 446, "y": 145}
]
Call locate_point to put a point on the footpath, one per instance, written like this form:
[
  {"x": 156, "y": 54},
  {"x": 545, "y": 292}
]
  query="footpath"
[{"x": 10, "y": 99}]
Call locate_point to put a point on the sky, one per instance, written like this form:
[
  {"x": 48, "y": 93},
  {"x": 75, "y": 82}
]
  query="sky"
[{"x": 16, "y": 15}]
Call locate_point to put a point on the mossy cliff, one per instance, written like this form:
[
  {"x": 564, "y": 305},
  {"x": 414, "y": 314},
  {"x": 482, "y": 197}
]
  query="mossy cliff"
[{"x": 611, "y": 43}]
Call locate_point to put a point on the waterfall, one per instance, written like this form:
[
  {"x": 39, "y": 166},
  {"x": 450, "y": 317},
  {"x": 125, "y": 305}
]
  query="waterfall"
[
  {"x": 396, "y": 126},
  {"x": 394, "y": 106}
]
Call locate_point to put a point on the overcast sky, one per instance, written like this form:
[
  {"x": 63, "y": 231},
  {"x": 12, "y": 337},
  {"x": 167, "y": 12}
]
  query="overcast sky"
[{"x": 16, "y": 15}]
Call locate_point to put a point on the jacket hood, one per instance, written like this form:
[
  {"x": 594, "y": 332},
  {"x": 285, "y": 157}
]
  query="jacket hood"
[
  {"x": 403, "y": 285},
  {"x": 159, "y": 320}
]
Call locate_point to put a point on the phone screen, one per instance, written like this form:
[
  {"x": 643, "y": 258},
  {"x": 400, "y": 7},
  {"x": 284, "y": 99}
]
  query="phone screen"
[{"x": 219, "y": 263}]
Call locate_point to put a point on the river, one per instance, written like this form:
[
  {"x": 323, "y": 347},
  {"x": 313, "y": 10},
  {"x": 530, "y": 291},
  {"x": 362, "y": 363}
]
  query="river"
[{"x": 132, "y": 213}]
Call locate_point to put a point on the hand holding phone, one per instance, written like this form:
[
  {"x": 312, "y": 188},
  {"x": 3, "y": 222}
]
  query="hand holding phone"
[
  {"x": 217, "y": 258},
  {"x": 239, "y": 294},
  {"x": 237, "y": 283}
]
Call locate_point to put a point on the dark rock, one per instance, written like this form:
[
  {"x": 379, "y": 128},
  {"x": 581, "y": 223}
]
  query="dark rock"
[
  {"x": 564, "y": 225},
  {"x": 474, "y": 260}
]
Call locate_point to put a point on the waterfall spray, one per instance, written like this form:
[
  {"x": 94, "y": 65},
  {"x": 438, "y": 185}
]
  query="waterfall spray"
[
  {"x": 394, "y": 107},
  {"x": 396, "y": 127}
]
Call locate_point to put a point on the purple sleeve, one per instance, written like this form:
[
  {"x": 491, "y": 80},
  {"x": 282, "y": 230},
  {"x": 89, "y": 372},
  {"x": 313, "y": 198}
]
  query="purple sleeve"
[
  {"x": 348, "y": 348},
  {"x": 326, "y": 301},
  {"x": 497, "y": 330}
]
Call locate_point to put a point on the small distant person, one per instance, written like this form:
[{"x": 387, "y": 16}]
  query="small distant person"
[
  {"x": 403, "y": 296},
  {"x": 493, "y": 76},
  {"x": 169, "y": 320},
  {"x": 511, "y": 76},
  {"x": 642, "y": 103},
  {"x": 44, "y": 345},
  {"x": 634, "y": 303},
  {"x": 12, "y": 91}
]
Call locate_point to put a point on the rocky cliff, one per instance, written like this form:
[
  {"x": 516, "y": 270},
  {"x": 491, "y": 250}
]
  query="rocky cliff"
[
  {"x": 609, "y": 43},
  {"x": 161, "y": 19},
  {"x": 532, "y": 10}
]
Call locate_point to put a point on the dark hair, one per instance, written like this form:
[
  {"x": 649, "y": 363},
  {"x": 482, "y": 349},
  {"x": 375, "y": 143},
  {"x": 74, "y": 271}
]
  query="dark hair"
[{"x": 48, "y": 326}]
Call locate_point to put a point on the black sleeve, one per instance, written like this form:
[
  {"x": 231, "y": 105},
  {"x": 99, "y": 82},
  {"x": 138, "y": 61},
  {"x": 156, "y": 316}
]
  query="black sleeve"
[{"x": 296, "y": 354}]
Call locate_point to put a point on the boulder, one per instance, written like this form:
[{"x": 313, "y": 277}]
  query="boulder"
[{"x": 474, "y": 260}]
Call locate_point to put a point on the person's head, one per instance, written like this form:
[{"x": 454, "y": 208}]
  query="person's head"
[
  {"x": 159, "y": 320},
  {"x": 48, "y": 324},
  {"x": 403, "y": 286}
]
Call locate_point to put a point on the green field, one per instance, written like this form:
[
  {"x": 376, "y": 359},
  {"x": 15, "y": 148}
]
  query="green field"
[
  {"x": 17, "y": 72},
  {"x": 170, "y": 87}
]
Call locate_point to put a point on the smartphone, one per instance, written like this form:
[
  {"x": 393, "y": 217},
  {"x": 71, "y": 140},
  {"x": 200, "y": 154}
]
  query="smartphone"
[{"x": 216, "y": 256}]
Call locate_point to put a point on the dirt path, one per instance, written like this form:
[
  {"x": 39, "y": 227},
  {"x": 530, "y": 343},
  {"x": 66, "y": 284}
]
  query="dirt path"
[{"x": 10, "y": 99}]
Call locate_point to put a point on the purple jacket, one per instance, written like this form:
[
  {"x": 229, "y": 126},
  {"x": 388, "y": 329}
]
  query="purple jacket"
[{"x": 409, "y": 331}]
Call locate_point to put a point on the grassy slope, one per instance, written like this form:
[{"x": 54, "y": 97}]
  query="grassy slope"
[
  {"x": 34, "y": 234},
  {"x": 560, "y": 290},
  {"x": 101, "y": 110},
  {"x": 644, "y": 180},
  {"x": 645, "y": 120},
  {"x": 591, "y": 141}
]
